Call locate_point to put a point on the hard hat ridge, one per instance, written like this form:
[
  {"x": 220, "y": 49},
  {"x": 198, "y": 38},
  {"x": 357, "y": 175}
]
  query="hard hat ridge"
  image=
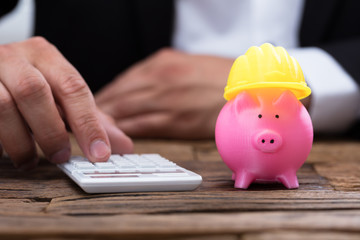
[{"x": 266, "y": 67}]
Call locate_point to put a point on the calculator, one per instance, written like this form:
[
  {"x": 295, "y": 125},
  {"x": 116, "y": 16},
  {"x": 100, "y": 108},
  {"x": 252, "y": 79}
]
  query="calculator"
[{"x": 130, "y": 173}]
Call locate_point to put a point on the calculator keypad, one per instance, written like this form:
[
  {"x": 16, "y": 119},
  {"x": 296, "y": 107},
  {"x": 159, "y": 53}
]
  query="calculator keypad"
[{"x": 127, "y": 165}]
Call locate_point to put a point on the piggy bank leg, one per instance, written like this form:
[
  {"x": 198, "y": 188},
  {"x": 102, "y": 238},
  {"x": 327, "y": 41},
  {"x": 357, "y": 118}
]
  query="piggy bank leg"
[
  {"x": 243, "y": 179},
  {"x": 289, "y": 180}
]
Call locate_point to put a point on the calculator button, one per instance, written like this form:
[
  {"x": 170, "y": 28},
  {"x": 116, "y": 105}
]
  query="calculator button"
[
  {"x": 147, "y": 165},
  {"x": 126, "y": 166},
  {"x": 104, "y": 165},
  {"x": 132, "y": 157},
  {"x": 120, "y": 161},
  {"x": 117, "y": 158},
  {"x": 83, "y": 165}
]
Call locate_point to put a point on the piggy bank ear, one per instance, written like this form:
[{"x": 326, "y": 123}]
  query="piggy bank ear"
[
  {"x": 245, "y": 101},
  {"x": 287, "y": 101}
]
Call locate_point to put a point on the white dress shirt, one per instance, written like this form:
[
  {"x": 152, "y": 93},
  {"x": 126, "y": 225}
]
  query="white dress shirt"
[{"x": 228, "y": 28}]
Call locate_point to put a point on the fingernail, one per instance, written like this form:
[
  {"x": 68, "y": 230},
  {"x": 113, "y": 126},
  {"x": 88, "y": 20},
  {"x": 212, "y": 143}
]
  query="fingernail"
[
  {"x": 99, "y": 149},
  {"x": 61, "y": 156}
]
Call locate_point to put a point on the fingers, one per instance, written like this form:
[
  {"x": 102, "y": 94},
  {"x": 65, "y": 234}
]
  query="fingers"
[
  {"x": 34, "y": 100},
  {"x": 120, "y": 143},
  {"x": 75, "y": 99},
  {"x": 14, "y": 135},
  {"x": 148, "y": 125},
  {"x": 132, "y": 104},
  {"x": 125, "y": 85},
  {"x": 40, "y": 91}
]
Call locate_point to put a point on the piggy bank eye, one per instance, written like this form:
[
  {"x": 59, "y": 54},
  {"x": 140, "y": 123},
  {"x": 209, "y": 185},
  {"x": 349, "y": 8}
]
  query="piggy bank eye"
[
  {"x": 259, "y": 116},
  {"x": 277, "y": 116}
]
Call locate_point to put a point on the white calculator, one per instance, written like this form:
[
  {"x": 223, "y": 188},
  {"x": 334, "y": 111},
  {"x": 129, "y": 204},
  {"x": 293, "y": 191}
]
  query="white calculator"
[{"x": 130, "y": 173}]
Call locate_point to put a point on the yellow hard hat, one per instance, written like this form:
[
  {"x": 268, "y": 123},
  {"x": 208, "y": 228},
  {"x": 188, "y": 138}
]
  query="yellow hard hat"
[{"x": 266, "y": 67}]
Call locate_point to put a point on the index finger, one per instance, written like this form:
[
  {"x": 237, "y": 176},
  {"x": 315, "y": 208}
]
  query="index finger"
[{"x": 74, "y": 97}]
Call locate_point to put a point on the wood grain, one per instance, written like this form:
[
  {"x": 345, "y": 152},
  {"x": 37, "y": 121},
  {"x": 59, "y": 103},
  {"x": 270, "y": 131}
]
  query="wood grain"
[
  {"x": 301, "y": 235},
  {"x": 45, "y": 204},
  {"x": 180, "y": 224}
]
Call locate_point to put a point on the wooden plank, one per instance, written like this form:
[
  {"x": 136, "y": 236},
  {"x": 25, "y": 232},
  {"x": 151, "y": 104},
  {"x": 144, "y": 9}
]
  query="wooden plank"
[
  {"x": 151, "y": 203},
  {"x": 215, "y": 194},
  {"x": 343, "y": 176},
  {"x": 301, "y": 235},
  {"x": 41, "y": 184},
  {"x": 339, "y": 162},
  {"x": 47, "y": 181},
  {"x": 336, "y": 161},
  {"x": 207, "y": 237},
  {"x": 22, "y": 206},
  {"x": 157, "y": 226},
  {"x": 44, "y": 203},
  {"x": 217, "y": 189},
  {"x": 335, "y": 150},
  {"x": 206, "y": 151}
]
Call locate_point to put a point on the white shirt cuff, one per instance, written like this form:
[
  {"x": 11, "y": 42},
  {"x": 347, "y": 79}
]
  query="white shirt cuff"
[{"x": 335, "y": 95}]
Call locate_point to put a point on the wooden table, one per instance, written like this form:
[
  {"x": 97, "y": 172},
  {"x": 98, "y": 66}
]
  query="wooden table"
[{"x": 45, "y": 204}]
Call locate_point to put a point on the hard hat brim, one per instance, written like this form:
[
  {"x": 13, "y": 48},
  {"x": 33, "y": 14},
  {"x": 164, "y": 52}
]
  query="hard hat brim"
[{"x": 300, "y": 90}]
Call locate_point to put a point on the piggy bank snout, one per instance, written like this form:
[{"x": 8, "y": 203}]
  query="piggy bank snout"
[{"x": 267, "y": 141}]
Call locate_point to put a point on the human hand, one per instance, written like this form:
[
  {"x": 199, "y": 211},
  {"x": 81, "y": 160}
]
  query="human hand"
[
  {"x": 41, "y": 92},
  {"x": 170, "y": 94}
]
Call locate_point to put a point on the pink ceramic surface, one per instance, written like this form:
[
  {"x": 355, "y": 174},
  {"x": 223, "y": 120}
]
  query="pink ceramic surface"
[{"x": 264, "y": 135}]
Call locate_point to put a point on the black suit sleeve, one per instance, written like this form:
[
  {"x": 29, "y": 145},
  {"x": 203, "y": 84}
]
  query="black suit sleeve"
[
  {"x": 334, "y": 25},
  {"x": 347, "y": 53}
]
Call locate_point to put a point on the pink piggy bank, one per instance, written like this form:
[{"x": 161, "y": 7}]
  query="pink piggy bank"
[{"x": 264, "y": 135}]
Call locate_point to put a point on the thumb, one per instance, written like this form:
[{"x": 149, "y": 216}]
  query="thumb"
[{"x": 120, "y": 143}]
